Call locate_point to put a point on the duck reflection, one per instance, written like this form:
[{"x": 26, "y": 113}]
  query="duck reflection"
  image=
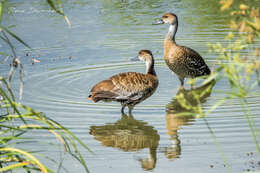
[
  {"x": 181, "y": 111},
  {"x": 129, "y": 134}
]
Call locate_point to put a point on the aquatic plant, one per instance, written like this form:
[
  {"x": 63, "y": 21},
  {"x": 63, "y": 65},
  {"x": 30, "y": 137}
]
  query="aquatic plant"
[
  {"x": 239, "y": 63},
  {"x": 239, "y": 60},
  {"x": 18, "y": 121}
]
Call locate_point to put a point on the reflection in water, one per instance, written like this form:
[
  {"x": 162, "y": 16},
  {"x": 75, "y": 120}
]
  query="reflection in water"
[
  {"x": 186, "y": 101},
  {"x": 129, "y": 134}
]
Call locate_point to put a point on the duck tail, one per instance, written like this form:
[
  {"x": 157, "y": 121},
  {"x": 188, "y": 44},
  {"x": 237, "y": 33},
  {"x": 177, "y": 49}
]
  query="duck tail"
[{"x": 90, "y": 97}]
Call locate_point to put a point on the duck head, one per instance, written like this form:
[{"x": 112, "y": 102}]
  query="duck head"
[
  {"x": 143, "y": 55},
  {"x": 168, "y": 18},
  {"x": 147, "y": 57}
]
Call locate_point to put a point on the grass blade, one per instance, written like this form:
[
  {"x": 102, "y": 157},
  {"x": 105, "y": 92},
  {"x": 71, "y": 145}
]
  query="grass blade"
[
  {"x": 58, "y": 10},
  {"x": 1, "y": 9},
  {"x": 4, "y": 53},
  {"x": 15, "y": 36},
  {"x": 218, "y": 146},
  {"x": 31, "y": 157},
  {"x": 14, "y": 166},
  {"x": 52, "y": 5}
]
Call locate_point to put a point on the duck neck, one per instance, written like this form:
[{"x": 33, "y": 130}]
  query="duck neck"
[
  {"x": 172, "y": 31},
  {"x": 150, "y": 67}
]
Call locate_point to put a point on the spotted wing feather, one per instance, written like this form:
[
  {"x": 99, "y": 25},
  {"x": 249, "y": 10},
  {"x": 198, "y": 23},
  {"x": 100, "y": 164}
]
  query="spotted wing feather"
[{"x": 194, "y": 63}]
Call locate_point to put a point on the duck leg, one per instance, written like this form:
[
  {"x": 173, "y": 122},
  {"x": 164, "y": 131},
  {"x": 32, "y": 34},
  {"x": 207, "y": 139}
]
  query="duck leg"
[
  {"x": 130, "y": 108},
  {"x": 182, "y": 81},
  {"x": 122, "y": 109}
]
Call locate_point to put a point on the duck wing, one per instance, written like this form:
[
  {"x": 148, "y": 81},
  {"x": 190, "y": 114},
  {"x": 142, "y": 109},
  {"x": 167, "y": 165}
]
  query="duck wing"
[
  {"x": 194, "y": 63},
  {"x": 102, "y": 90},
  {"x": 124, "y": 86}
]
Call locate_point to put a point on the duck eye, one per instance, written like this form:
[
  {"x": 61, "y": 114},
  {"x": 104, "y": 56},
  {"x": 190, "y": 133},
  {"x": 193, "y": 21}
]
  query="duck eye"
[{"x": 165, "y": 16}]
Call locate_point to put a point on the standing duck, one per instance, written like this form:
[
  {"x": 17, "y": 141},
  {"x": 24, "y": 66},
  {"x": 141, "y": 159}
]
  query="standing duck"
[
  {"x": 183, "y": 61},
  {"x": 128, "y": 88}
]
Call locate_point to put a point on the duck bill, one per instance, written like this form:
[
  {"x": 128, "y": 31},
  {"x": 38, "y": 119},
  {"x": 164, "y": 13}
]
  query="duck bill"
[
  {"x": 135, "y": 59},
  {"x": 159, "y": 22}
]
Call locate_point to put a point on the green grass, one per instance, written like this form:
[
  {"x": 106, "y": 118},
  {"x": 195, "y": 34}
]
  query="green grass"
[
  {"x": 18, "y": 121},
  {"x": 27, "y": 120}
]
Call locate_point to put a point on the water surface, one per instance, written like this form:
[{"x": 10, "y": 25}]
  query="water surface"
[{"x": 104, "y": 35}]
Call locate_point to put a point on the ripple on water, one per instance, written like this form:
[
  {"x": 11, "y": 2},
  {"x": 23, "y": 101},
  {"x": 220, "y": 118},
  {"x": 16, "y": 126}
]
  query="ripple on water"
[
  {"x": 155, "y": 128},
  {"x": 155, "y": 138},
  {"x": 69, "y": 88}
]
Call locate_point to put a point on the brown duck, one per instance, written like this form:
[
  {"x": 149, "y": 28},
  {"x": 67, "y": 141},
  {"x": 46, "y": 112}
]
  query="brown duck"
[
  {"x": 183, "y": 61},
  {"x": 128, "y": 88}
]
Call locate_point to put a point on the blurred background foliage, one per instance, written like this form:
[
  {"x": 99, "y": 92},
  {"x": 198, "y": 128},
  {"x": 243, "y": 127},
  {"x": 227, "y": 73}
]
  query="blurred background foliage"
[{"x": 238, "y": 62}]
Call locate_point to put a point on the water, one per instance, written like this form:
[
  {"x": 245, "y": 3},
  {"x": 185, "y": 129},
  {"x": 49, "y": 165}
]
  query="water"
[{"x": 104, "y": 35}]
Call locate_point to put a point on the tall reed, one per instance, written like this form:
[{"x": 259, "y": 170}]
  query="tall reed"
[{"x": 18, "y": 121}]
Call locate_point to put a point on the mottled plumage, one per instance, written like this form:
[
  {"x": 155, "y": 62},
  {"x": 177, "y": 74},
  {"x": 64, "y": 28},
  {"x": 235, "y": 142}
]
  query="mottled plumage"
[
  {"x": 183, "y": 61},
  {"x": 128, "y": 88}
]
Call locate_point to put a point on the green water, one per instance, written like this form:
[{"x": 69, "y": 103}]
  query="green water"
[{"x": 105, "y": 34}]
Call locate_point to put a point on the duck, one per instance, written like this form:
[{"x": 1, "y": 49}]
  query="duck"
[
  {"x": 129, "y": 88},
  {"x": 183, "y": 61}
]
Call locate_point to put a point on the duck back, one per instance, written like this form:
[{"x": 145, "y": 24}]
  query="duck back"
[{"x": 129, "y": 86}]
